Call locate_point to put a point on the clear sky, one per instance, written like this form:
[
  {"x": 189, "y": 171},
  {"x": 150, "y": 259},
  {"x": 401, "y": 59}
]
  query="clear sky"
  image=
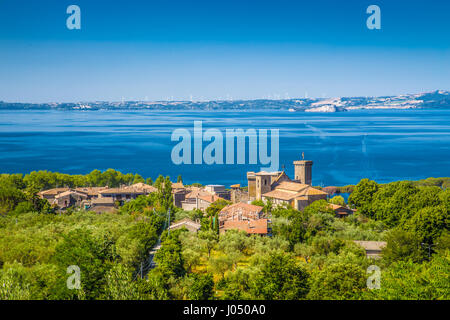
[{"x": 239, "y": 49}]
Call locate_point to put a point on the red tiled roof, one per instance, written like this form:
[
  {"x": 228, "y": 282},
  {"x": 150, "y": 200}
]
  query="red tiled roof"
[
  {"x": 70, "y": 192},
  {"x": 242, "y": 206},
  {"x": 253, "y": 227},
  {"x": 53, "y": 191},
  {"x": 209, "y": 198},
  {"x": 278, "y": 194}
]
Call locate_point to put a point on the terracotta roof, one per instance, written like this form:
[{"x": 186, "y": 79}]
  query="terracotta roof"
[
  {"x": 335, "y": 206},
  {"x": 242, "y": 206},
  {"x": 125, "y": 190},
  {"x": 338, "y": 209},
  {"x": 292, "y": 190},
  {"x": 209, "y": 198},
  {"x": 197, "y": 193},
  {"x": 313, "y": 191},
  {"x": 144, "y": 186},
  {"x": 69, "y": 192},
  {"x": 204, "y": 195},
  {"x": 292, "y": 186},
  {"x": 282, "y": 174},
  {"x": 253, "y": 227},
  {"x": 179, "y": 191},
  {"x": 235, "y": 186},
  {"x": 92, "y": 191},
  {"x": 278, "y": 194},
  {"x": 53, "y": 191}
]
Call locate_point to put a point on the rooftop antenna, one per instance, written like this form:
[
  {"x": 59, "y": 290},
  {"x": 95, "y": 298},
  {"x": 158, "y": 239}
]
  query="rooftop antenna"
[
  {"x": 303, "y": 155},
  {"x": 284, "y": 167}
]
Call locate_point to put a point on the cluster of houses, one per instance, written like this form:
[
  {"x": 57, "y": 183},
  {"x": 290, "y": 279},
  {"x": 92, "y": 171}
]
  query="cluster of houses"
[
  {"x": 98, "y": 199},
  {"x": 276, "y": 187}
]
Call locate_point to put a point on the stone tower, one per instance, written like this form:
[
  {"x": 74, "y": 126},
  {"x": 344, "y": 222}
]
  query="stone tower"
[
  {"x": 303, "y": 171},
  {"x": 263, "y": 184}
]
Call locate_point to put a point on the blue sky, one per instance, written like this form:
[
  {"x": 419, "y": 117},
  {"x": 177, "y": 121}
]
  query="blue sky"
[{"x": 220, "y": 49}]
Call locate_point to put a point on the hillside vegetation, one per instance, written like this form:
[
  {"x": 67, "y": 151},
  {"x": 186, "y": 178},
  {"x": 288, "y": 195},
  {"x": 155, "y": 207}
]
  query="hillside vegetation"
[{"x": 311, "y": 254}]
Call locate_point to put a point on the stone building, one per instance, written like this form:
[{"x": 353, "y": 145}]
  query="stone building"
[
  {"x": 373, "y": 248},
  {"x": 281, "y": 190},
  {"x": 245, "y": 217},
  {"x": 303, "y": 171},
  {"x": 237, "y": 194},
  {"x": 69, "y": 198},
  {"x": 218, "y": 190},
  {"x": 85, "y": 196},
  {"x": 294, "y": 194},
  {"x": 340, "y": 211},
  {"x": 126, "y": 193},
  {"x": 199, "y": 199},
  {"x": 261, "y": 182}
]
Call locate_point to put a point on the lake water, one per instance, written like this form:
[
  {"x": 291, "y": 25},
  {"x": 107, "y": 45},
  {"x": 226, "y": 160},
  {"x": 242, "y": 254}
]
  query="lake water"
[{"x": 345, "y": 147}]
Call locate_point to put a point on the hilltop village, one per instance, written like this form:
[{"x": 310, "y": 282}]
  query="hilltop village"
[
  {"x": 276, "y": 237},
  {"x": 276, "y": 187}
]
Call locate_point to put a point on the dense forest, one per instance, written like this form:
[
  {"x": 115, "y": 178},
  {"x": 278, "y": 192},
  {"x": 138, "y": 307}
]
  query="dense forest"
[{"x": 310, "y": 255}]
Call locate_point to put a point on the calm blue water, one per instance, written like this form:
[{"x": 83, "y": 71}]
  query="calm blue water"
[{"x": 345, "y": 147}]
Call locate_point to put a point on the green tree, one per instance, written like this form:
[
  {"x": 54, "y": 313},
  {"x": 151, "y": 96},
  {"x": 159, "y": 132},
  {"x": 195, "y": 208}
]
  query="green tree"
[
  {"x": 92, "y": 256},
  {"x": 406, "y": 280},
  {"x": 338, "y": 281},
  {"x": 220, "y": 264},
  {"x": 169, "y": 258},
  {"x": 362, "y": 195},
  {"x": 9, "y": 198},
  {"x": 120, "y": 285},
  {"x": 402, "y": 246},
  {"x": 202, "y": 287},
  {"x": 138, "y": 179},
  {"x": 281, "y": 278},
  {"x": 339, "y": 200},
  {"x": 209, "y": 240},
  {"x": 164, "y": 194},
  {"x": 13, "y": 286},
  {"x": 428, "y": 224}
]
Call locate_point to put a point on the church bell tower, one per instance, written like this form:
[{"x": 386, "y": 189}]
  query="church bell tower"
[{"x": 303, "y": 170}]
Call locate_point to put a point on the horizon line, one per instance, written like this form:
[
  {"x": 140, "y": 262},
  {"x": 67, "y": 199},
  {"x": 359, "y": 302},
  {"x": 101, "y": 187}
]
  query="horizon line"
[{"x": 226, "y": 100}]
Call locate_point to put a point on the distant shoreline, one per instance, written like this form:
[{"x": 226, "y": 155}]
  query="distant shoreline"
[{"x": 438, "y": 99}]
